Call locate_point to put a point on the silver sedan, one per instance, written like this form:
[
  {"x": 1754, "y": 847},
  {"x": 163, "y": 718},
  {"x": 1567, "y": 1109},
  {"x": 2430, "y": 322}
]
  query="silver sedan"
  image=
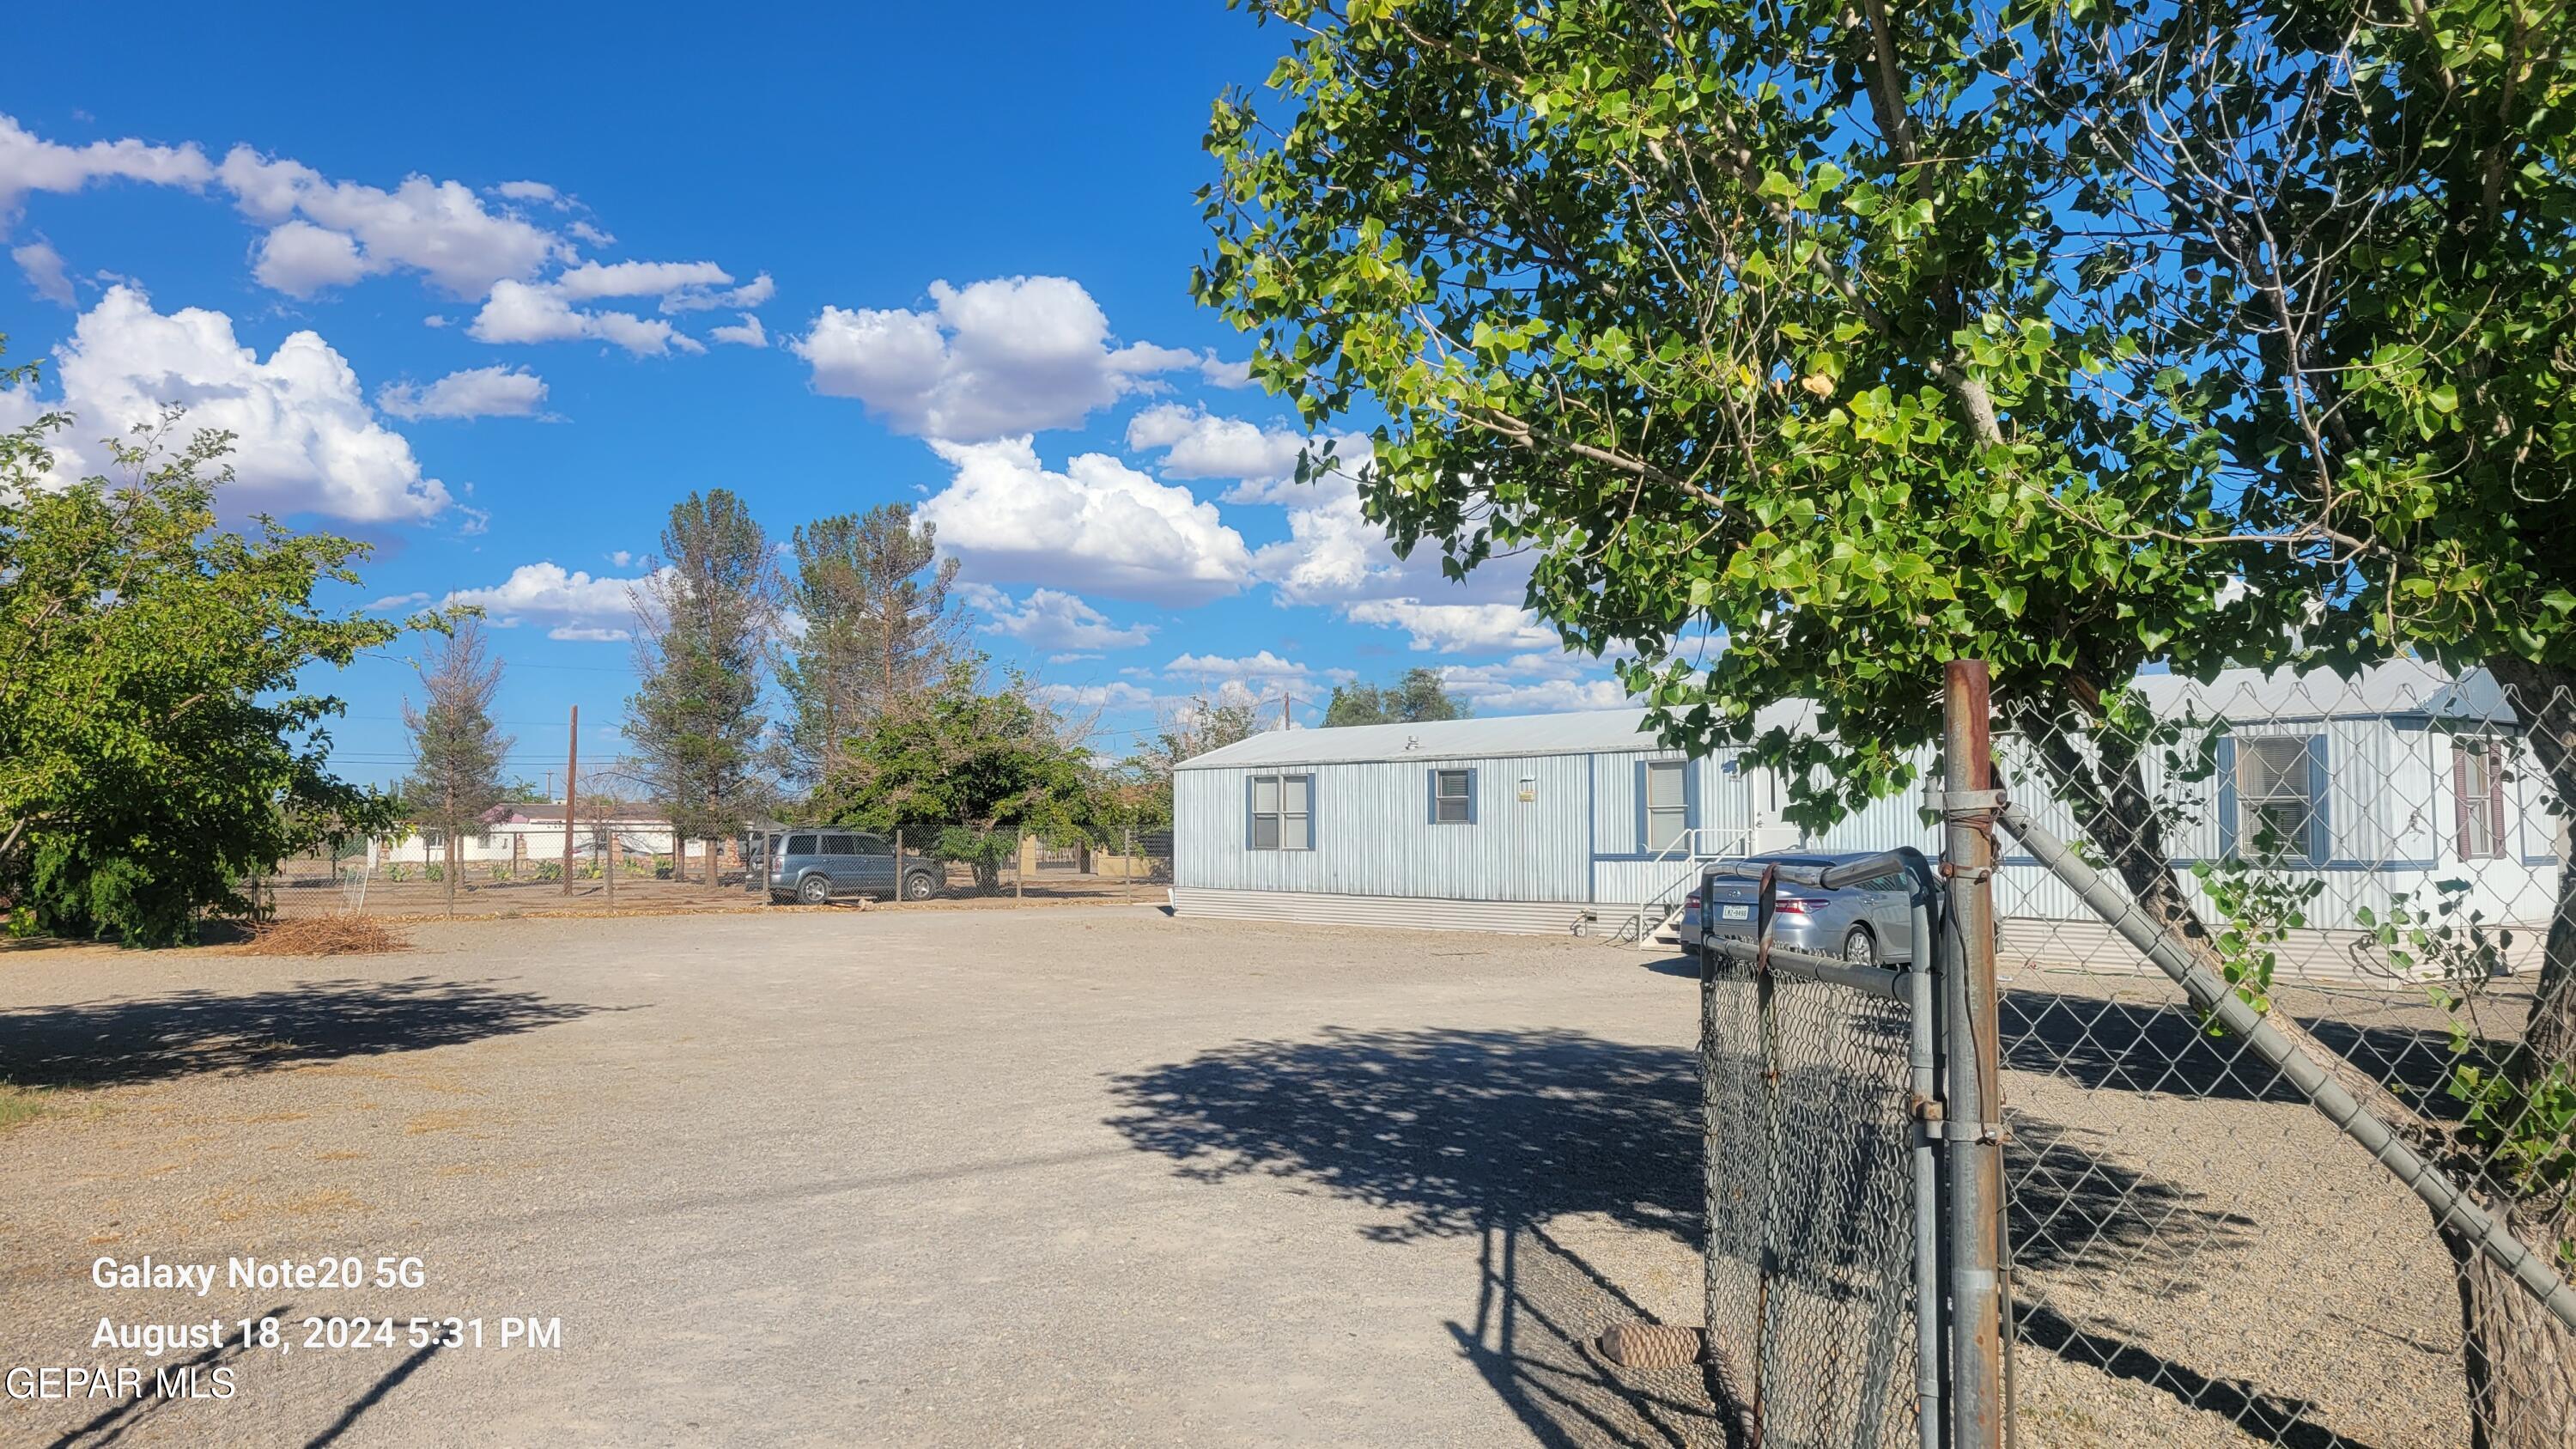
[{"x": 1868, "y": 923}]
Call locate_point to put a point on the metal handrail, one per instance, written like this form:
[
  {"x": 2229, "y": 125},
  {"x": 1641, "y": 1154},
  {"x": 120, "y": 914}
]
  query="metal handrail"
[{"x": 1688, "y": 849}]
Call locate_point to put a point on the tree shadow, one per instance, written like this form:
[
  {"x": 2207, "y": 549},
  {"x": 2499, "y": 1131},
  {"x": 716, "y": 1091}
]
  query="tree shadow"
[
  {"x": 120, "y": 1042},
  {"x": 2140, "y": 1046}
]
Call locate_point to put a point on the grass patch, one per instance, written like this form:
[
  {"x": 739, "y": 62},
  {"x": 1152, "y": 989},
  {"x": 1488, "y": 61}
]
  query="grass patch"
[{"x": 20, "y": 1105}]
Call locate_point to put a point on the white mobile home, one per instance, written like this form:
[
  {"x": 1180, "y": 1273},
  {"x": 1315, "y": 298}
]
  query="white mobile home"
[{"x": 2384, "y": 784}]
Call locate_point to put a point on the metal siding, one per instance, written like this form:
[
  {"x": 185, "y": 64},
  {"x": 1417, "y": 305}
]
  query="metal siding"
[{"x": 1527, "y": 918}]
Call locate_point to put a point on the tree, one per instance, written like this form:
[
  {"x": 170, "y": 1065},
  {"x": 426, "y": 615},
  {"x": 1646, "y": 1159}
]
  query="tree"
[
  {"x": 1142, "y": 784},
  {"x": 704, "y": 624},
  {"x": 1418, "y": 696},
  {"x": 1807, "y": 347},
  {"x": 156, "y": 748},
  {"x": 873, "y": 593},
  {"x": 456, "y": 773},
  {"x": 968, "y": 770}
]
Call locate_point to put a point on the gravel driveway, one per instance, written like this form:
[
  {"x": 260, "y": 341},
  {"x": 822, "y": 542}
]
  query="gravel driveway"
[{"x": 1085, "y": 1175}]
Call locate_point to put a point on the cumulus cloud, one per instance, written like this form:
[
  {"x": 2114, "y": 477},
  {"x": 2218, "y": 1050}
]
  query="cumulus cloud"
[
  {"x": 1215, "y": 371},
  {"x": 1457, "y": 628},
  {"x": 526, "y": 191},
  {"x": 573, "y": 604},
  {"x": 439, "y": 229},
  {"x": 521, "y": 312},
  {"x": 1117, "y": 694},
  {"x": 749, "y": 334},
  {"x": 481, "y": 392},
  {"x": 29, "y": 163},
  {"x": 1007, "y": 356},
  {"x": 1052, "y": 619},
  {"x": 593, "y": 280},
  {"x": 43, "y": 267},
  {"x": 1534, "y": 684},
  {"x": 304, "y": 438},
  {"x": 1097, "y": 527},
  {"x": 1263, "y": 665}
]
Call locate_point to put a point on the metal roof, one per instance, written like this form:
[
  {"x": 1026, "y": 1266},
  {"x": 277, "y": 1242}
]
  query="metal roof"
[{"x": 2397, "y": 687}]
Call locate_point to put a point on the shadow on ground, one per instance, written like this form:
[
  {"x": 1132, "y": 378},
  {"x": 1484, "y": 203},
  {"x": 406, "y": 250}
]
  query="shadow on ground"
[
  {"x": 2160, "y": 1046},
  {"x": 1496, "y": 1133},
  {"x": 114, "y": 1043}
]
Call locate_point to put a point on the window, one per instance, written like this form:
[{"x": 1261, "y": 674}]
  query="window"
[
  {"x": 2279, "y": 815},
  {"x": 1283, "y": 812},
  {"x": 1453, "y": 797},
  {"x": 1667, "y": 806},
  {"x": 800, "y": 845},
  {"x": 840, "y": 845},
  {"x": 2477, "y": 786},
  {"x": 871, "y": 845}
]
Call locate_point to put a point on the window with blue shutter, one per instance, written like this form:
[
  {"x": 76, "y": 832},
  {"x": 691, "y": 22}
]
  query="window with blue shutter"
[{"x": 1453, "y": 797}]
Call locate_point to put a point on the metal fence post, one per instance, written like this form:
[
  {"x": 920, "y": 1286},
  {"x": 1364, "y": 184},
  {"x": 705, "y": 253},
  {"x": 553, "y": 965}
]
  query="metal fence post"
[{"x": 1972, "y": 1131}]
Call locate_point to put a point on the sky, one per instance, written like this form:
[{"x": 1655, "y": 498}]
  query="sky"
[{"x": 490, "y": 293}]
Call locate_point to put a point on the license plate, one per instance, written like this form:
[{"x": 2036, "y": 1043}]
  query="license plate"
[{"x": 1735, "y": 913}]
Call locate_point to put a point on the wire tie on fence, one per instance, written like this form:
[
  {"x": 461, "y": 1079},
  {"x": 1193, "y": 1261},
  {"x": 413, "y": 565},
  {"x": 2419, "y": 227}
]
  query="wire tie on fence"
[
  {"x": 1963, "y": 805},
  {"x": 1971, "y": 874}
]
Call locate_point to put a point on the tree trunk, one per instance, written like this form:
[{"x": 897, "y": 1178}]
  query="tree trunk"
[
  {"x": 679, "y": 857},
  {"x": 2522, "y": 1362},
  {"x": 713, "y": 849},
  {"x": 451, "y": 872}
]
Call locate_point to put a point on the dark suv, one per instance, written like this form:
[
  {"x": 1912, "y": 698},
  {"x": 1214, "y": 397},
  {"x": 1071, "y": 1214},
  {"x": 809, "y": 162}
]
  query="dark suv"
[{"x": 815, "y": 865}]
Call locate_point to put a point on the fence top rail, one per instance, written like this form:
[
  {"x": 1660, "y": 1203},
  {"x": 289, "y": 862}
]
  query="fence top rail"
[{"x": 1886, "y": 981}]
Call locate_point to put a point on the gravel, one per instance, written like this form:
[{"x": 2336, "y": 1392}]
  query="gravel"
[{"x": 1068, "y": 1176}]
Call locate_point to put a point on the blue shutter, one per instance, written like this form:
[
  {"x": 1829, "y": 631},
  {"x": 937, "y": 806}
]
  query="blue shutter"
[
  {"x": 2320, "y": 828},
  {"x": 1471, "y": 795},
  {"x": 1247, "y": 812},
  {"x": 1314, "y": 812},
  {"x": 2227, "y": 797},
  {"x": 1641, "y": 808},
  {"x": 1431, "y": 796},
  {"x": 1690, "y": 794}
]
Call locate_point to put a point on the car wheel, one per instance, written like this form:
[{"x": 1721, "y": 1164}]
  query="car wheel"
[
  {"x": 919, "y": 887},
  {"x": 813, "y": 890},
  {"x": 1858, "y": 948}
]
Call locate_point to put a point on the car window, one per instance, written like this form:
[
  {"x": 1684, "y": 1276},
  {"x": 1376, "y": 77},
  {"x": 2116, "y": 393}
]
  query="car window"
[
  {"x": 871, "y": 845},
  {"x": 840, "y": 845},
  {"x": 800, "y": 845}
]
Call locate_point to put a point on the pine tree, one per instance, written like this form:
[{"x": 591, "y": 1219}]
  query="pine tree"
[
  {"x": 457, "y": 773},
  {"x": 879, "y": 629},
  {"x": 704, "y": 623}
]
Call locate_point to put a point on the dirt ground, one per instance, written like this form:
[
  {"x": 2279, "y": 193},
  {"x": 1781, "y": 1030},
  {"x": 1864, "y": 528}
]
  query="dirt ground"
[
  {"x": 420, "y": 900},
  {"x": 1086, "y": 1175}
]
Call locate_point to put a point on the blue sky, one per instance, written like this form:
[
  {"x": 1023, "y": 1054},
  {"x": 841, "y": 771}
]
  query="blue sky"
[{"x": 492, "y": 294}]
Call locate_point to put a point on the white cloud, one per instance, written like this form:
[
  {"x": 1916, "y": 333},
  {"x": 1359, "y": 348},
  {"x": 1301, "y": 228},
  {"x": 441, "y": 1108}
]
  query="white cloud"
[
  {"x": 29, "y": 163},
  {"x": 397, "y": 601},
  {"x": 593, "y": 280},
  {"x": 584, "y": 231},
  {"x": 1535, "y": 684},
  {"x": 749, "y": 334},
  {"x": 1116, "y": 694},
  {"x": 304, "y": 440},
  {"x": 1052, "y": 619},
  {"x": 1196, "y": 444},
  {"x": 481, "y": 392},
  {"x": 300, "y": 259},
  {"x": 520, "y": 312},
  {"x": 996, "y": 358},
  {"x": 621, "y": 558},
  {"x": 1097, "y": 527},
  {"x": 526, "y": 191},
  {"x": 1264, "y": 665},
  {"x": 1215, "y": 371},
  {"x": 576, "y": 605},
  {"x": 588, "y": 633},
  {"x": 440, "y": 229},
  {"x": 1074, "y": 658},
  {"x": 1457, "y": 628},
  {"x": 43, "y": 267},
  {"x": 700, "y": 298}
]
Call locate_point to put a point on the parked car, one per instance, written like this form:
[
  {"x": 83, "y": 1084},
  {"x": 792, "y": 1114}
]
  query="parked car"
[
  {"x": 1868, "y": 923},
  {"x": 813, "y": 866}
]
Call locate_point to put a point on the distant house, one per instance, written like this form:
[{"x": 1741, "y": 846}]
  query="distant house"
[{"x": 530, "y": 831}]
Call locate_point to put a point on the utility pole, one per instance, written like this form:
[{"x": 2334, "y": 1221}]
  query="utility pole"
[
  {"x": 572, "y": 769},
  {"x": 1286, "y": 722},
  {"x": 1972, "y": 1133}
]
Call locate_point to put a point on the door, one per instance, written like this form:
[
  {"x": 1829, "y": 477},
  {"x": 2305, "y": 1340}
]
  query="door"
[
  {"x": 875, "y": 864},
  {"x": 841, "y": 861},
  {"x": 1891, "y": 917}
]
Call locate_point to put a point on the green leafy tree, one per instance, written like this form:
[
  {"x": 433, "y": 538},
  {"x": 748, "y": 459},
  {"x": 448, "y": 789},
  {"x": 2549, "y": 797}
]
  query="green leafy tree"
[
  {"x": 704, "y": 623},
  {"x": 1808, "y": 347},
  {"x": 457, "y": 749},
  {"x": 156, "y": 747},
  {"x": 1413, "y": 699},
  {"x": 879, "y": 626},
  {"x": 969, "y": 770}
]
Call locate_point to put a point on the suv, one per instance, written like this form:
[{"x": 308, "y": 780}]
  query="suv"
[{"x": 815, "y": 865}]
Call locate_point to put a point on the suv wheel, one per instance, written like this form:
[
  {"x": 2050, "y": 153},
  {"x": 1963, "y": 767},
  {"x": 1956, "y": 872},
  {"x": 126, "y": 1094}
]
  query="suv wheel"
[
  {"x": 813, "y": 890},
  {"x": 919, "y": 887}
]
